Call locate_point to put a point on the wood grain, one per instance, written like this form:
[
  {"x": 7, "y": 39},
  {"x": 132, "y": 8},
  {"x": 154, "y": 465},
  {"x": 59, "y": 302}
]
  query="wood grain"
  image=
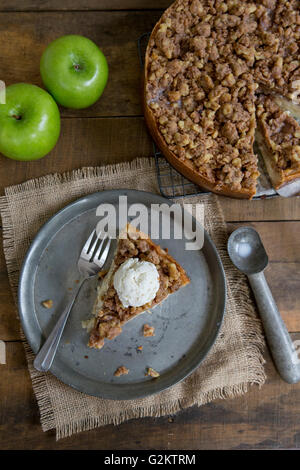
[
  {"x": 24, "y": 36},
  {"x": 9, "y": 324},
  {"x": 284, "y": 281},
  {"x": 266, "y": 418},
  {"x": 96, "y": 5},
  {"x": 277, "y": 208},
  {"x": 83, "y": 142},
  {"x": 114, "y": 131}
]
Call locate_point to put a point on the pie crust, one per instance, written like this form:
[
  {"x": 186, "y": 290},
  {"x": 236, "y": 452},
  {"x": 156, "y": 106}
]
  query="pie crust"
[
  {"x": 206, "y": 63},
  {"x": 109, "y": 313}
]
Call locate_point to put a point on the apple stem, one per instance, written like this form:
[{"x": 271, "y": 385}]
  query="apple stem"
[
  {"x": 18, "y": 118},
  {"x": 77, "y": 67}
]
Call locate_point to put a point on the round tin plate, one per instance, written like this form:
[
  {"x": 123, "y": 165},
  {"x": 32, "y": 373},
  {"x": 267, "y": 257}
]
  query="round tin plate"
[{"x": 186, "y": 324}]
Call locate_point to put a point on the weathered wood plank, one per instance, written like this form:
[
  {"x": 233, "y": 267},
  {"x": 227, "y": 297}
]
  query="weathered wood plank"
[
  {"x": 266, "y": 418},
  {"x": 278, "y": 208},
  {"x": 73, "y": 5},
  {"x": 83, "y": 142},
  {"x": 284, "y": 281},
  {"x": 24, "y": 36},
  {"x": 9, "y": 324}
]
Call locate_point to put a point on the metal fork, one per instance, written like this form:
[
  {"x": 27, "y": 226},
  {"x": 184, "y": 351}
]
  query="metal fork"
[{"x": 91, "y": 260}]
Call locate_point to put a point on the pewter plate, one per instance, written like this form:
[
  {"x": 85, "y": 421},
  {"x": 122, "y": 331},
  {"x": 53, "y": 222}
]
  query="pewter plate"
[{"x": 186, "y": 324}]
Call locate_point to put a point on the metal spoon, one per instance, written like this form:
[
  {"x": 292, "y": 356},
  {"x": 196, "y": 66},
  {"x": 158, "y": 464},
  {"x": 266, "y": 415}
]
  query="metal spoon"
[{"x": 247, "y": 253}]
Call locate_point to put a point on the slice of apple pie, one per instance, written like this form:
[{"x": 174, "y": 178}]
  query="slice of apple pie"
[
  {"x": 278, "y": 136},
  {"x": 141, "y": 276}
]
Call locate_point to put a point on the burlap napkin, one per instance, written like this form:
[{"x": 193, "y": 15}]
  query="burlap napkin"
[{"x": 234, "y": 362}]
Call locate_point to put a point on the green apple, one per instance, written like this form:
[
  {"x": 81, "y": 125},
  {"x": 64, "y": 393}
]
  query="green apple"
[
  {"x": 29, "y": 122},
  {"x": 74, "y": 71}
]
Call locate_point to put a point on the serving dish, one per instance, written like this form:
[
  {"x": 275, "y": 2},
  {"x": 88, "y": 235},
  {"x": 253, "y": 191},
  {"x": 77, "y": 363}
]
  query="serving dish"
[
  {"x": 186, "y": 325},
  {"x": 223, "y": 52}
]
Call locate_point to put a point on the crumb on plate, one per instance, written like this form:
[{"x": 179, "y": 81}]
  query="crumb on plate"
[
  {"x": 122, "y": 370},
  {"x": 148, "y": 330},
  {"x": 47, "y": 303},
  {"x": 152, "y": 373},
  {"x": 102, "y": 273}
]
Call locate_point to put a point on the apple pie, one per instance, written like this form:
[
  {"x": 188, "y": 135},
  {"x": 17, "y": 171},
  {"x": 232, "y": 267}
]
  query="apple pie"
[
  {"x": 278, "y": 136},
  {"x": 206, "y": 63},
  {"x": 139, "y": 267}
]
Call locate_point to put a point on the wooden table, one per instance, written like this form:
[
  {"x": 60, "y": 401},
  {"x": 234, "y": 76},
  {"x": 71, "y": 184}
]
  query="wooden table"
[{"x": 113, "y": 130}]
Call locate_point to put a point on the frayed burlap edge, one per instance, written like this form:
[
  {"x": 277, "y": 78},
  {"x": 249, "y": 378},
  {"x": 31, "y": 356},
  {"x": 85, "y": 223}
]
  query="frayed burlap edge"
[
  {"x": 156, "y": 411},
  {"x": 237, "y": 291},
  {"x": 140, "y": 164}
]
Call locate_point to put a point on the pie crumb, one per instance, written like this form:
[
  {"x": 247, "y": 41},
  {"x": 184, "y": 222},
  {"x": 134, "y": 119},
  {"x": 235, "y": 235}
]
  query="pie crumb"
[
  {"x": 152, "y": 373},
  {"x": 103, "y": 273},
  {"x": 47, "y": 303},
  {"x": 148, "y": 330},
  {"x": 122, "y": 370}
]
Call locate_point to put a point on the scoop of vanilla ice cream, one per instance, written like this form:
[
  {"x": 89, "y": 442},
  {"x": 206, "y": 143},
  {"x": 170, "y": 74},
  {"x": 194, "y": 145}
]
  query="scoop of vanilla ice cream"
[{"x": 136, "y": 282}]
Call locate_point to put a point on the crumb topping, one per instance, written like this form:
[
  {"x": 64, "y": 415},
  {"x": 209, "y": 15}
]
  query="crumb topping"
[{"x": 206, "y": 62}]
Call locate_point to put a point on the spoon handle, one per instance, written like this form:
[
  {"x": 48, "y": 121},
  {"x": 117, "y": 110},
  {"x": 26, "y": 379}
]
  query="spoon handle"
[
  {"x": 281, "y": 345},
  {"x": 44, "y": 359}
]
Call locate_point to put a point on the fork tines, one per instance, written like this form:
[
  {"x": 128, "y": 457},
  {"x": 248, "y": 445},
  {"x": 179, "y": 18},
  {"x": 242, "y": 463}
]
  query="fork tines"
[{"x": 92, "y": 249}]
